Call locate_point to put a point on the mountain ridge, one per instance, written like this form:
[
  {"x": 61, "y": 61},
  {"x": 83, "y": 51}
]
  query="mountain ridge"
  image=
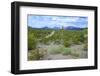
[{"x": 58, "y": 28}]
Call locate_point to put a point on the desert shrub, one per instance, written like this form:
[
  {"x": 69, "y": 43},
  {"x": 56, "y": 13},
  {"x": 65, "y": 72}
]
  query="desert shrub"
[
  {"x": 75, "y": 52},
  {"x": 42, "y": 51},
  {"x": 67, "y": 43},
  {"x": 85, "y": 47},
  {"x": 56, "y": 50},
  {"x": 69, "y": 51},
  {"x": 31, "y": 41},
  {"x": 76, "y": 39},
  {"x": 34, "y": 55},
  {"x": 81, "y": 38},
  {"x": 66, "y": 51}
]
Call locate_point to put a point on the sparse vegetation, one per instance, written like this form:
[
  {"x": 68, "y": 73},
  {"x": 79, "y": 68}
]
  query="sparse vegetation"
[{"x": 62, "y": 38}]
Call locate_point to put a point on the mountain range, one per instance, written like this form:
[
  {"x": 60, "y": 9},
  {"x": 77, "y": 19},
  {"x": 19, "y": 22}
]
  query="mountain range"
[{"x": 65, "y": 28}]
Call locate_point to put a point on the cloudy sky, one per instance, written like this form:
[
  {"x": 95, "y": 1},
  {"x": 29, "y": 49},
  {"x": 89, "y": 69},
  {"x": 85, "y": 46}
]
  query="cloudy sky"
[{"x": 39, "y": 21}]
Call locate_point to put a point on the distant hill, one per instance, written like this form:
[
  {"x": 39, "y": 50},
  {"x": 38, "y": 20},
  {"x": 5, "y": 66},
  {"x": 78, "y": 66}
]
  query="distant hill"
[
  {"x": 72, "y": 28},
  {"x": 57, "y": 28}
]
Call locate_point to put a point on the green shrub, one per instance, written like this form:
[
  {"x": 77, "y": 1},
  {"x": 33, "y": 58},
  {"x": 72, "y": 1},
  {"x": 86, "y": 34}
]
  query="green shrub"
[
  {"x": 81, "y": 38},
  {"x": 31, "y": 41},
  {"x": 66, "y": 51},
  {"x": 67, "y": 43},
  {"x": 76, "y": 39},
  {"x": 57, "y": 50}
]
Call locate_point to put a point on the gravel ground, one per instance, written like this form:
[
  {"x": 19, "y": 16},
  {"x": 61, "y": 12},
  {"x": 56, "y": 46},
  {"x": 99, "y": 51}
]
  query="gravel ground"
[{"x": 76, "y": 49}]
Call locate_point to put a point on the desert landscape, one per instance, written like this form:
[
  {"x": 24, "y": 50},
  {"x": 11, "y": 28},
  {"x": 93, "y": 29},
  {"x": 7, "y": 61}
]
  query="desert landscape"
[{"x": 57, "y": 42}]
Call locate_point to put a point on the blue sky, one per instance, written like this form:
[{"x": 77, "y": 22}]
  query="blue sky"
[{"x": 39, "y": 21}]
